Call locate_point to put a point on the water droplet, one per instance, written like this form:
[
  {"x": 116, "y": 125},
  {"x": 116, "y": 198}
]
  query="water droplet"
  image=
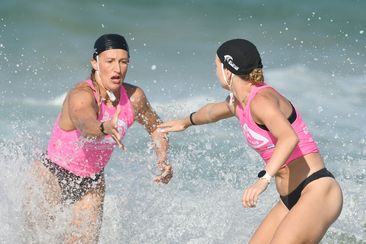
[{"x": 320, "y": 109}]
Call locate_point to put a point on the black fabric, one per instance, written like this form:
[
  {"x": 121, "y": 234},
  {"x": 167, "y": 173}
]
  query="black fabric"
[
  {"x": 291, "y": 199},
  {"x": 73, "y": 187},
  {"x": 240, "y": 56},
  {"x": 109, "y": 41},
  {"x": 290, "y": 119}
]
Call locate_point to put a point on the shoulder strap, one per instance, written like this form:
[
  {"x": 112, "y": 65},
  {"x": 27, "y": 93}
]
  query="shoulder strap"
[
  {"x": 255, "y": 90},
  {"x": 98, "y": 99}
]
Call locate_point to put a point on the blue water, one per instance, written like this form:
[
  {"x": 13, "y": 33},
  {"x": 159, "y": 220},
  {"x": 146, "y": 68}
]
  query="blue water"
[{"x": 313, "y": 52}]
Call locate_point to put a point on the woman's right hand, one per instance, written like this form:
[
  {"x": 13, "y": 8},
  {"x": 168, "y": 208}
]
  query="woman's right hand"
[
  {"x": 111, "y": 128},
  {"x": 174, "y": 125}
]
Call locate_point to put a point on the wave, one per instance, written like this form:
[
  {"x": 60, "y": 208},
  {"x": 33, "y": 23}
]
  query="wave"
[{"x": 57, "y": 101}]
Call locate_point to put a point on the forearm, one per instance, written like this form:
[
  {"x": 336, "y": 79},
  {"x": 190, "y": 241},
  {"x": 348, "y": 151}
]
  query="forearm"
[
  {"x": 210, "y": 113},
  {"x": 284, "y": 148},
  {"x": 161, "y": 145},
  {"x": 89, "y": 127}
]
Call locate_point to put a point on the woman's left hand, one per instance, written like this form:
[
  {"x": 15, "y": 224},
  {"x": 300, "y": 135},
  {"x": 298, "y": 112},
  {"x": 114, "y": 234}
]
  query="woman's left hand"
[
  {"x": 174, "y": 125},
  {"x": 166, "y": 175},
  {"x": 251, "y": 194}
]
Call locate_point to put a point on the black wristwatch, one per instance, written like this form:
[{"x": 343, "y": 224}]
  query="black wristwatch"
[{"x": 101, "y": 127}]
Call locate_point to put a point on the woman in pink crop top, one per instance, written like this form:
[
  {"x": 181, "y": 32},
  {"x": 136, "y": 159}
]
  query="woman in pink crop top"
[
  {"x": 310, "y": 198},
  {"x": 93, "y": 120}
]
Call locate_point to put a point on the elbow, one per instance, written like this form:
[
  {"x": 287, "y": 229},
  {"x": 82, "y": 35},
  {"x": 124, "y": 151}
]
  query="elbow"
[
  {"x": 89, "y": 134},
  {"x": 294, "y": 140},
  {"x": 83, "y": 130}
]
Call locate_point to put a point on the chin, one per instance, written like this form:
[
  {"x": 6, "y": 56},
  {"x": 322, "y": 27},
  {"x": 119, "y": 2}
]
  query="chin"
[
  {"x": 115, "y": 86},
  {"x": 225, "y": 87}
]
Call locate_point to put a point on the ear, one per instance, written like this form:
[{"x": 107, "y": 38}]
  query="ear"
[
  {"x": 94, "y": 64},
  {"x": 228, "y": 73}
]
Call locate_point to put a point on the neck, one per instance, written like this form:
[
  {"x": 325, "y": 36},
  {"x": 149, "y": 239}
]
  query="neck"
[
  {"x": 104, "y": 94},
  {"x": 241, "y": 89}
]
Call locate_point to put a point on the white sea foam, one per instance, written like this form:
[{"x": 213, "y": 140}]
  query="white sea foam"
[{"x": 57, "y": 101}]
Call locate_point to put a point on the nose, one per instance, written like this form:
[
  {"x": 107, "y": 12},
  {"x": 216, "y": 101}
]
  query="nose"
[{"x": 117, "y": 67}]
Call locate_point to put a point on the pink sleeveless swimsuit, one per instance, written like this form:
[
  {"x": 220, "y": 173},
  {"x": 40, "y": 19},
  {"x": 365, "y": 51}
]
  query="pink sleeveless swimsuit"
[
  {"x": 83, "y": 156},
  {"x": 263, "y": 141}
]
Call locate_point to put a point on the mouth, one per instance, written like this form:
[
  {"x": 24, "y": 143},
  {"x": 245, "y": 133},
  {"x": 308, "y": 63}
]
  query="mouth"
[{"x": 116, "y": 79}]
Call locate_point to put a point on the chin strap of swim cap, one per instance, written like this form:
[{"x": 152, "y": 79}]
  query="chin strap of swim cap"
[
  {"x": 229, "y": 85},
  {"x": 110, "y": 94}
]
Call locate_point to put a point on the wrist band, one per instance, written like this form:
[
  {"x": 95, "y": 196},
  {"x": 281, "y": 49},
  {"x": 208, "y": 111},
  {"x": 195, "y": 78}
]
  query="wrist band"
[
  {"x": 101, "y": 127},
  {"x": 190, "y": 118}
]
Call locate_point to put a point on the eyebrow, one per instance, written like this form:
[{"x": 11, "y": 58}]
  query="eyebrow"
[{"x": 114, "y": 58}]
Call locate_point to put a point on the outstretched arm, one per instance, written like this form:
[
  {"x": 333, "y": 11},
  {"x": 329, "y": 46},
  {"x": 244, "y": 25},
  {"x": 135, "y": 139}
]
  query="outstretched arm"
[
  {"x": 209, "y": 113},
  {"x": 80, "y": 112},
  {"x": 146, "y": 116}
]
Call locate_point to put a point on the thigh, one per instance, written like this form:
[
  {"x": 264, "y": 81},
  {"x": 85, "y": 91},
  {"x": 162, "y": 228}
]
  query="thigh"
[
  {"x": 40, "y": 203},
  {"x": 318, "y": 207},
  {"x": 267, "y": 228},
  {"x": 87, "y": 214},
  {"x": 45, "y": 183}
]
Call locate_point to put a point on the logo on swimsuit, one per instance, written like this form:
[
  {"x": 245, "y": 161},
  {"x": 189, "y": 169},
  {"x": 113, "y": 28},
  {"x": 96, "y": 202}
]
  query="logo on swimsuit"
[
  {"x": 254, "y": 139},
  {"x": 229, "y": 60}
]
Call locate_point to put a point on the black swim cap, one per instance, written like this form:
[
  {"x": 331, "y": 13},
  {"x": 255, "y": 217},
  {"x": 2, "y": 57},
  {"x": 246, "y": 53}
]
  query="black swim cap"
[
  {"x": 109, "y": 41},
  {"x": 239, "y": 56}
]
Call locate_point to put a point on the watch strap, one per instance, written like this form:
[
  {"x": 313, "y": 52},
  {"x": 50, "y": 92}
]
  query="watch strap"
[{"x": 101, "y": 127}]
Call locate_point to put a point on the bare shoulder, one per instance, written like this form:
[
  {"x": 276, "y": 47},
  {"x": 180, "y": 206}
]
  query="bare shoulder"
[
  {"x": 81, "y": 94},
  {"x": 266, "y": 97},
  {"x": 133, "y": 91},
  {"x": 265, "y": 104},
  {"x": 144, "y": 113},
  {"x": 136, "y": 95}
]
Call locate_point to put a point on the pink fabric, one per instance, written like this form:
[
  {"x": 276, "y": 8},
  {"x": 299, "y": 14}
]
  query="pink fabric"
[
  {"x": 83, "y": 156},
  {"x": 263, "y": 141}
]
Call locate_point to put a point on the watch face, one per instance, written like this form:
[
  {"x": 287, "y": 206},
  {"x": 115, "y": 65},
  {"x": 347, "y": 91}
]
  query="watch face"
[{"x": 261, "y": 173}]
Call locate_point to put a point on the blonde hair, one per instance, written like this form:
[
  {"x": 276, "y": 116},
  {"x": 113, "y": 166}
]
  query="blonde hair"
[{"x": 255, "y": 76}]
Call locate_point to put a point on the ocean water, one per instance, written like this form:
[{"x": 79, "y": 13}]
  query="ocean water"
[{"x": 313, "y": 52}]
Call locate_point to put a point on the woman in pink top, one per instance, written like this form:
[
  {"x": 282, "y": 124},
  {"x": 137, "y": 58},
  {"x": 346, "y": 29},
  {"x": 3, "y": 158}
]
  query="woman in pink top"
[
  {"x": 310, "y": 198},
  {"x": 93, "y": 120}
]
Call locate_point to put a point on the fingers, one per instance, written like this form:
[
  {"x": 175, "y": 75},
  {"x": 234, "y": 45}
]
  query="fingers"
[
  {"x": 166, "y": 176},
  {"x": 251, "y": 194},
  {"x": 161, "y": 179},
  {"x": 114, "y": 123},
  {"x": 250, "y": 198},
  {"x": 173, "y": 126},
  {"x": 165, "y": 127},
  {"x": 118, "y": 111},
  {"x": 118, "y": 141},
  {"x": 115, "y": 116},
  {"x": 165, "y": 130}
]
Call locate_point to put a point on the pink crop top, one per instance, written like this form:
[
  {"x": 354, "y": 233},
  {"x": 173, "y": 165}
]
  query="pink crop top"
[
  {"x": 84, "y": 156},
  {"x": 263, "y": 141}
]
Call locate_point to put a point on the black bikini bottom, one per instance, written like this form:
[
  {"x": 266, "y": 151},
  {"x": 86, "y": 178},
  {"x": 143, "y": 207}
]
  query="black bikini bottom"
[
  {"x": 73, "y": 187},
  {"x": 291, "y": 199}
]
